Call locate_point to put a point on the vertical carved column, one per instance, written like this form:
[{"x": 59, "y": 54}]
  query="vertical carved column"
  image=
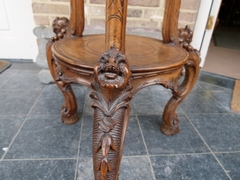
[
  {"x": 111, "y": 113},
  {"x": 76, "y": 25},
  {"x": 170, "y": 21},
  {"x": 170, "y": 124},
  {"x": 116, "y": 12}
]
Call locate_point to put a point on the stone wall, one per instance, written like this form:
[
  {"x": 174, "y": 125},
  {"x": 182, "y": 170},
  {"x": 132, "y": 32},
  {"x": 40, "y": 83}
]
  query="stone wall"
[{"x": 141, "y": 13}]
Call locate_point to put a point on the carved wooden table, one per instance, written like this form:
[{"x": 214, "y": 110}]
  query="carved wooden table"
[{"x": 116, "y": 66}]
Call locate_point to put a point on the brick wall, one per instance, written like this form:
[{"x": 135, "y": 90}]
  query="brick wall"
[{"x": 141, "y": 13}]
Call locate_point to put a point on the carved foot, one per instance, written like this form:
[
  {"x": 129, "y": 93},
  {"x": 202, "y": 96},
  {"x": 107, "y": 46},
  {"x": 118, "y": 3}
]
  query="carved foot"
[
  {"x": 68, "y": 118},
  {"x": 111, "y": 113},
  {"x": 172, "y": 129}
]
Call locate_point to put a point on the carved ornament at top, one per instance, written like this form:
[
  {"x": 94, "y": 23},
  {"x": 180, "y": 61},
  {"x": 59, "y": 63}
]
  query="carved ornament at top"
[
  {"x": 185, "y": 38},
  {"x": 59, "y": 28}
]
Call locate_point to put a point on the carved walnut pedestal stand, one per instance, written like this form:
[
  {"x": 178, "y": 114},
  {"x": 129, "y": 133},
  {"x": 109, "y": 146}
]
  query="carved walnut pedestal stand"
[{"x": 119, "y": 74}]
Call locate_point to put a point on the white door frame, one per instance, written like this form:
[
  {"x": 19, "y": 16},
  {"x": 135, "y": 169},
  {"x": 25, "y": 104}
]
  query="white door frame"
[
  {"x": 17, "y": 40},
  {"x": 202, "y": 36}
]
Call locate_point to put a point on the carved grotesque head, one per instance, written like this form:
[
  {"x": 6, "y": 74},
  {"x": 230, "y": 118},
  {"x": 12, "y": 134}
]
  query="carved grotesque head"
[
  {"x": 185, "y": 38},
  {"x": 185, "y": 35},
  {"x": 112, "y": 69}
]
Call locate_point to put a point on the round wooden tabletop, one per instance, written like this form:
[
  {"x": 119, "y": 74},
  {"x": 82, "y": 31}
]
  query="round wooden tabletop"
[{"x": 143, "y": 53}]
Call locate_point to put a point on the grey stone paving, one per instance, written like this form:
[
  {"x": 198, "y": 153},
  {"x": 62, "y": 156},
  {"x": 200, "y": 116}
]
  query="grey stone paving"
[{"x": 34, "y": 144}]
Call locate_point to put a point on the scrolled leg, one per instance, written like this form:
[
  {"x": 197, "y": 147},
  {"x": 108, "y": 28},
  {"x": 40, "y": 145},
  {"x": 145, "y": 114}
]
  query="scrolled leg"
[
  {"x": 111, "y": 113},
  {"x": 69, "y": 108},
  {"x": 170, "y": 125}
]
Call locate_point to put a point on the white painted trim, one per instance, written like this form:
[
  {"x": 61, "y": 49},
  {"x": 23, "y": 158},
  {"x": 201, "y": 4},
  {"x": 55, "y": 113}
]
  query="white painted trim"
[
  {"x": 208, "y": 33},
  {"x": 202, "y": 37},
  {"x": 200, "y": 26}
]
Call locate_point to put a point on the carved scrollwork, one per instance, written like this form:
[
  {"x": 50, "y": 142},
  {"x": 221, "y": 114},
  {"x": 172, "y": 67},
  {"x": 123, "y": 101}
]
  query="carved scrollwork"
[
  {"x": 185, "y": 36},
  {"x": 69, "y": 107},
  {"x": 60, "y": 75},
  {"x": 68, "y": 117},
  {"x": 185, "y": 39},
  {"x": 170, "y": 124},
  {"x": 111, "y": 102},
  {"x": 60, "y": 26}
]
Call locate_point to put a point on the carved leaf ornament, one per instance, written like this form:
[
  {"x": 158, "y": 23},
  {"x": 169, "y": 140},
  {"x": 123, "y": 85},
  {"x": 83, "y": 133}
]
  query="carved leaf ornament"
[{"x": 111, "y": 98}]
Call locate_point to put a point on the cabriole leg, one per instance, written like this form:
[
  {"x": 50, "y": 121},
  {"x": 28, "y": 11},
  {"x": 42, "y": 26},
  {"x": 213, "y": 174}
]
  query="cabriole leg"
[
  {"x": 170, "y": 125},
  {"x": 69, "y": 108}
]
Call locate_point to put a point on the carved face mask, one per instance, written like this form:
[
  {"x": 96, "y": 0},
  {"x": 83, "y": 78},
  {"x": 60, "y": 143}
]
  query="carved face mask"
[{"x": 112, "y": 70}]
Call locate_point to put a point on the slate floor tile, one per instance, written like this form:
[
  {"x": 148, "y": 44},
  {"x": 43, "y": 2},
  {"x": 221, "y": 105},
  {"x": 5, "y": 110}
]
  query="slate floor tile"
[
  {"x": 17, "y": 102},
  {"x": 216, "y": 79},
  {"x": 151, "y": 101},
  {"x": 6, "y": 75},
  {"x": 135, "y": 168},
  {"x": 50, "y": 101},
  {"x": 212, "y": 87},
  {"x": 197, "y": 87},
  {"x": 86, "y": 137},
  {"x": 9, "y": 126},
  {"x": 27, "y": 79},
  {"x": 133, "y": 142},
  {"x": 187, "y": 141},
  {"x": 132, "y": 168},
  {"x": 134, "y": 145},
  {"x": 231, "y": 163},
  {"x": 39, "y": 169},
  {"x": 193, "y": 166},
  {"x": 45, "y": 137},
  {"x": 53, "y": 90},
  {"x": 48, "y": 106},
  {"x": 201, "y": 102},
  {"x": 220, "y": 131},
  {"x": 85, "y": 168},
  {"x": 223, "y": 98},
  {"x": 237, "y": 116}
]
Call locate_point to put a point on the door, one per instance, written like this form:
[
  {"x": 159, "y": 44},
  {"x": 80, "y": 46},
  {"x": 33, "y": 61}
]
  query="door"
[
  {"x": 16, "y": 30},
  {"x": 202, "y": 36}
]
